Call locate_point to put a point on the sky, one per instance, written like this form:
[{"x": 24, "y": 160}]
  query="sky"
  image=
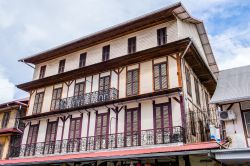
[{"x": 28, "y": 27}]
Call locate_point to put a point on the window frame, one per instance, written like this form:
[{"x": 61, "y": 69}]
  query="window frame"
[
  {"x": 197, "y": 91},
  {"x": 79, "y": 92},
  {"x": 161, "y": 36},
  {"x": 132, "y": 45},
  {"x": 37, "y": 104},
  {"x": 188, "y": 81},
  {"x": 42, "y": 71},
  {"x": 160, "y": 76},
  {"x": 105, "y": 53},
  {"x": 133, "y": 82},
  {"x": 61, "y": 66},
  {"x": 80, "y": 129},
  {"x": 82, "y": 60},
  {"x": 247, "y": 130},
  {"x": 6, "y": 118},
  {"x": 58, "y": 97}
]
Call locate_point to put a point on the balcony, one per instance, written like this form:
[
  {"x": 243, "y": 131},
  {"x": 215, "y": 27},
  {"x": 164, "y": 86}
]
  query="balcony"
[
  {"x": 110, "y": 141},
  {"x": 86, "y": 99}
]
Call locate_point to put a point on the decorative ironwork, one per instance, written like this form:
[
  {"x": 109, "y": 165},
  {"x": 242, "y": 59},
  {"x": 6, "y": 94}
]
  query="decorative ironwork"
[
  {"x": 87, "y": 98},
  {"x": 143, "y": 138}
]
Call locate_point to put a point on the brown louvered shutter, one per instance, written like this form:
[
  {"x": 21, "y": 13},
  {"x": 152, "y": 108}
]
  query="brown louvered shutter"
[
  {"x": 32, "y": 135},
  {"x": 38, "y": 103},
  {"x": 102, "y": 124},
  {"x": 56, "y": 96},
  {"x": 188, "y": 81},
  {"x": 104, "y": 83},
  {"x": 5, "y": 119},
  {"x": 132, "y": 82},
  {"x": 51, "y": 131},
  {"x": 162, "y": 116},
  {"x": 79, "y": 89},
  {"x": 160, "y": 76},
  {"x": 75, "y": 128}
]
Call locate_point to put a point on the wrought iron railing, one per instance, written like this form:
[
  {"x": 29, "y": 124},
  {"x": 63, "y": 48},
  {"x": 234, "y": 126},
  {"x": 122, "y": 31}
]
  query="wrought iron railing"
[
  {"x": 110, "y": 141},
  {"x": 85, "y": 99}
]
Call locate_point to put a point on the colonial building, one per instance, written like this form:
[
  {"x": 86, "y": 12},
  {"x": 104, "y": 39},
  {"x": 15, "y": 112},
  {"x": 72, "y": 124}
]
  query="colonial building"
[
  {"x": 232, "y": 97},
  {"x": 129, "y": 94},
  {"x": 11, "y": 128}
]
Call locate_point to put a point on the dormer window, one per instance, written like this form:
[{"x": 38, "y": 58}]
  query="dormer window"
[
  {"x": 161, "y": 36},
  {"x": 42, "y": 71},
  {"x": 105, "y": 53},
  {"x": 61, "y": 66}
]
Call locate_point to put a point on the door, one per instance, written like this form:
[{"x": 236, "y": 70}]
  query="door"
[
  {"x": 74, "y": 140},
  {"x": 162, "y": 123},
  {"x": 101, "y": 132},
  {"x": 104, "y": 85},
  {"x": 30, "y": 148},
  {"x": 132, "y": 132},
  {"x": 50, "y": 139}
]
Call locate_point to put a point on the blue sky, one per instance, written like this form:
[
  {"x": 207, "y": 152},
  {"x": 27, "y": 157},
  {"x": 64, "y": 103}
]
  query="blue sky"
[{"x": 28, "y": 27}]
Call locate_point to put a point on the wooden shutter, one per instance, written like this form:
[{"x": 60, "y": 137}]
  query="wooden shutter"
[
  {"x": 38, "y": 103},
  {"x": 5, "y": 119},
  {"x": 160, "y": 76},
  {"x": 56, "y": 96},
  {"x": 79, "y": 89},
  {"x": 61, "y": 66},
  {"x": 105, "y": 53},
  {"x": 188, "y": 81},
  {"x": 42, "y": 71},
  {"x": 132, "y": 82},
  {"x": 75, "y": 128},
  {"x": 132, "y": 45},
  {"x": 32, "y": 135},
  {"x": 162, "y": 115},
  {"x": 82, "y": 60},
  {"x": 104, "y": 83},
  {"x": 247, "y": 122},
  {"x": 51, "y": 131},
  {"x": 161, "y": 36},
  {"x": 197, "y": 92},
  {"x": 102, "y": 124}
]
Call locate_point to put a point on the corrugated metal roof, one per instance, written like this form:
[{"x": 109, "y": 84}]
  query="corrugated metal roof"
[{"x": 233, "y": 85}]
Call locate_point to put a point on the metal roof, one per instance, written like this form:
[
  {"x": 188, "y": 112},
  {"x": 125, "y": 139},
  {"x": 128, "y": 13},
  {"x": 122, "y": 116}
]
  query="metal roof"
[{"x": 233, "y": 86}]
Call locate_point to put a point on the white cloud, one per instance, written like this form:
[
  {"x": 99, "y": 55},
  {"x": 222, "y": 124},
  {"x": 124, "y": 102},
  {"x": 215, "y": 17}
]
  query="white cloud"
[
  {"x": 232, "y": 47},
  {"x": 7, "y": 88}
]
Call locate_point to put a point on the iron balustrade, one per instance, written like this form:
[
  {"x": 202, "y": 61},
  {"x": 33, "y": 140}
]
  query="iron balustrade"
[
  {"x": 109, "y": 141},
  {"x": 85, "y": 99}
]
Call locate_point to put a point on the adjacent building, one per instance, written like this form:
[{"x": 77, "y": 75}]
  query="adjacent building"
[
  {"x": 11, "y": 127},
  {"x": 136, "y": 93},
  {"x": 232, "y": 97}
]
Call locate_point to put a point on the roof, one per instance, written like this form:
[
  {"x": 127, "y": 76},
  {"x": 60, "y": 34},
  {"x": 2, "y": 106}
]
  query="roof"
[
  {"x": 23, "y": 102},
  {"x": 148, "y": 20},
  {"x": 233, "y": 86},
  {"x": 112, "y": 154}
]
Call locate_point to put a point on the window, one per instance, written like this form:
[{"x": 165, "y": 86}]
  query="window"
[
  {"x": 50, "y": 137},
  {"x": 104, "y": 85},
  {"x": 31, "y": 140},
  {"x": 247, "y": 122},
  {"x": 105, "y": 53},
  {"x": 192, "y": 123},
  {"x": 132, "y": 82},
  {"x": 101, "y": 130},
  {"x": 197, "y": 92},
  {"x": 1, "y": 150},
  {"x": 79, "y": 89},
  {"x": 42, "y": 71},
  {"x": 188, "y": 80},
  {"x": 61, "y": 66},
  {"x": 74, "y": 134},
  {"x": 56, "y": 96},
  {"x": 132, "y": 126},
  {"x": 6, "y": 117},
  {"x": 132, "y": 45},
  {"x": 207, "y": 103},
  {"x": 161, "y": 36},
  {"x": 160, "y": 76},
  {"x": 82, "y": 61},
  {"x": 38, "y": 103}
]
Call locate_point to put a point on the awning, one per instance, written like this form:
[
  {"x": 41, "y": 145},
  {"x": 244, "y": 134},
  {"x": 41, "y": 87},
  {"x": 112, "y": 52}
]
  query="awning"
[
  {"x": 117, "y": 154},
  {"x": 233, "y": 156},
  {"x": 233, "y": 86}
]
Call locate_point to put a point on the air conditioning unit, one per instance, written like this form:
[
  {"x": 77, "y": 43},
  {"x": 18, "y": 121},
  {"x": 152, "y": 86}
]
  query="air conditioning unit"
[{"x": 227, "y": 115}]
